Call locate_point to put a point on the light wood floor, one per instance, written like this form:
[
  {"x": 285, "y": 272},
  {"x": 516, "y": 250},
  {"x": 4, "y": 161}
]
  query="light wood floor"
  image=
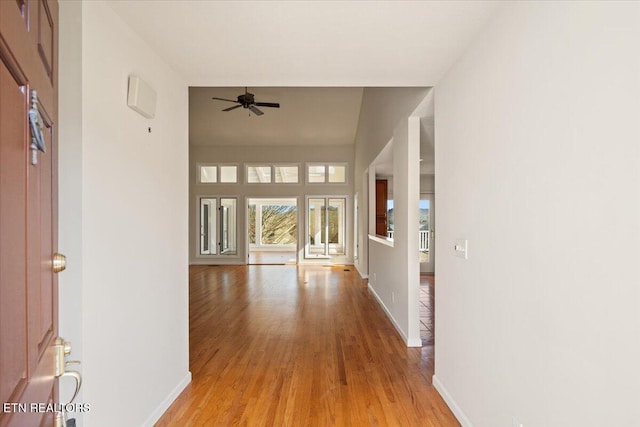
[{"x": 299, "y": 346}]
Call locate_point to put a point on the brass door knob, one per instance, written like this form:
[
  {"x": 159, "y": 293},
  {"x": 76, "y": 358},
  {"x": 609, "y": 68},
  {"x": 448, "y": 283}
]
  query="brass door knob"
[{"x": 59, "y": 262}]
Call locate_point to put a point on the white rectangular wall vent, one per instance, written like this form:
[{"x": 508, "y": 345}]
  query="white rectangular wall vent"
[{"x": 141, "y": 97}]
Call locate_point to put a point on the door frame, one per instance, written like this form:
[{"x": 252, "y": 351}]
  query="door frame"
[
  {"x": 346, "y": 237},
  {"x": 198, "y": 238},
  {"x": 246, "y": 223},
  {"x": 429, "y": 268}
]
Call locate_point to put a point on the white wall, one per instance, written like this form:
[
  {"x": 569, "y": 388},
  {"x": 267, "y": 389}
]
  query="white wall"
[
  {"x": 393, "y": 270},
  {"x": 129, "y": 204},
  {"x": 427, "y": 183},
  {"x": 381, "y": 111},
  {"x": 538, "y": 166},
  {"x": 242, "y": 155}
]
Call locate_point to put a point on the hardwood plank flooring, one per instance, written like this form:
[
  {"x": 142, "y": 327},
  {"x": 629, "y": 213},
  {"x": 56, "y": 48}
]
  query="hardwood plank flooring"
[{"x": 299, "y": 346}]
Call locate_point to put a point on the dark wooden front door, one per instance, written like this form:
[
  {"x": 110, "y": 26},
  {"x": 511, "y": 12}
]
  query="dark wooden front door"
[
  {"x": 28, "y": 213},
  {"x": 381, "y": 207}
]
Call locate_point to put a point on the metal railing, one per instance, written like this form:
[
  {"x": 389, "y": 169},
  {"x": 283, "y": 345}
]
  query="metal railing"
[{"x": 423, "y": 239}]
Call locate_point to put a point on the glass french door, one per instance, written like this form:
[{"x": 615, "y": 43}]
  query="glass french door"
[
  {"x": 228, "y": 226},
  {"x": 208, "y": 215},
  {"x": 218, "y": 226},
  {"x": 325, "y": 227}
]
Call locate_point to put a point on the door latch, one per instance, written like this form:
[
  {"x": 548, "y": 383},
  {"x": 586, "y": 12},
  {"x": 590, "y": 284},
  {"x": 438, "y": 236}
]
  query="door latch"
[{"x": 62, "y": 350}]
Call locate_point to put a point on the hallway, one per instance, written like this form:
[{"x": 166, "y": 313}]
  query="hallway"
[{"x": 306, "y": 345}]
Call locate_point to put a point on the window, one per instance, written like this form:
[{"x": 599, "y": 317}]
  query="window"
[
  {"x": 286, "y": 174},
  {"x": 208, "y": 174},
  {"x": 332, "y": 173},
  {"x": 316, "y": 174},
  {"x": 337, "y": 174},
  {"x": 272, "y": 174},
  {"x": 212, "y": 174},
  {"x": 258, "y": 174},
  {"x": 390, "y": 220},
  {"x": 229, "y": 174}
]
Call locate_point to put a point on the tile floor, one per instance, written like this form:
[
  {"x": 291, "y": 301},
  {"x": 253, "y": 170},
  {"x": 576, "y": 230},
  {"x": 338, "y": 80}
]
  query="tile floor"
[{"x": 427, "y": 284}]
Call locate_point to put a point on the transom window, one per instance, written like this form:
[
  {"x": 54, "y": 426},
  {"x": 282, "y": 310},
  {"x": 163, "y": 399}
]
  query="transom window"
[
  {"x": 323, "y": 173},
  {"x": 213, "y": 174},
  {"x": 272, "y": 174}
]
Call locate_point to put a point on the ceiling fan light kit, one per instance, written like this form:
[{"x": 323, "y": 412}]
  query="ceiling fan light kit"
[{"x": 248, "y": 101}]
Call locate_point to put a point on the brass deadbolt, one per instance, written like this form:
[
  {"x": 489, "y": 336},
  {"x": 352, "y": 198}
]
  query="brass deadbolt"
[{"x": 59, "y": 262}]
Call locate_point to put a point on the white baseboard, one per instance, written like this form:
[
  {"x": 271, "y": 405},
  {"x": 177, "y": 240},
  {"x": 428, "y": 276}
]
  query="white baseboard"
[
  {"x": 451, "y": 403},
  {"x": 364, "y": 276},
  {"x": 393, "y": 320},
  {"x": 415, "y": 342},
  {"x": 218, "y": 261},
  {"x": 164, "y": 405}
]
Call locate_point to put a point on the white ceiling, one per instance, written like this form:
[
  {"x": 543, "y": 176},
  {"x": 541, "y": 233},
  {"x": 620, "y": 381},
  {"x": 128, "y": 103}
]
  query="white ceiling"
[
  {"x": 307, "y": 116},
  {"x": 307, "y": 43},
  {"x": 272, "y": 45}
]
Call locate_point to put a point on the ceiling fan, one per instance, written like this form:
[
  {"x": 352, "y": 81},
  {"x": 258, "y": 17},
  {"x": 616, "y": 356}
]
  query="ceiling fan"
[{"x": 247, "y": 100}]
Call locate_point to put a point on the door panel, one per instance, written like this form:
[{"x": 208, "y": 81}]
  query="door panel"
[
  {"x": 45, "y": 35},
  {"x": 41, "y": 248},
  {"x": 316, "y": 227},
  {"x": 19, "y": 30},
  {"x": 326, "y": 220},
  {"x": 336, "y": 226},
  {"x": 28, "y": 210},
  {"x": 228, "y": 226},
  {"x": 381, "y": 207},
  {"x": 208, "y": 242},
  {"x": 13, "y": 247}
]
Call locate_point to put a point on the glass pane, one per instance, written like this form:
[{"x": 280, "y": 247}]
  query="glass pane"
[
  {"x": 258, "y": 174},
  {"x": 286, "y": 174},
  {"x": 228, "y": 227},
  {"x": 317, "y": 226},
  {"x": 337, "y": 173},
  {"x": 208, "y": 243},
  {"x": 208, "y": 174},
  {"x": 229, "y": 174},
  {"x": 205, "y": 229},
  {"x": 252, "y": 224},
  {"x": 278, "y": 225},
  {"x": 425, "y": 229},
  {"x": 316, "y": 174},
  {"x": 390, "y": 219},
  {"x": 335, "y": 222}
]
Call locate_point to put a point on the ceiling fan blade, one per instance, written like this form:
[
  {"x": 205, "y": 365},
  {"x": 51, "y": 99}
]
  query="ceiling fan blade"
[
  {"x": 232, "y": 108},
  {"x": 224, "y": 99},
  {"x": 255, "y": 110},
  {"x": 268, "y": 104}
]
